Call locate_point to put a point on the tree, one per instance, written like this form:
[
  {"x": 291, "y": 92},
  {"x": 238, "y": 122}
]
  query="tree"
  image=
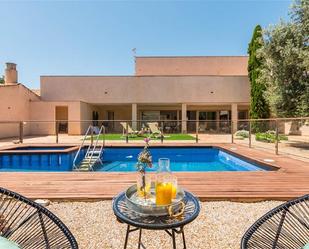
[
  {"x": 286, "y": 67},
  {"x": 259, "y": 107},
  {"x": 2, "y": 80}
]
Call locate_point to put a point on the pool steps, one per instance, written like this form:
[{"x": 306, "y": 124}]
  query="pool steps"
[{"x": 94, "y": 150}]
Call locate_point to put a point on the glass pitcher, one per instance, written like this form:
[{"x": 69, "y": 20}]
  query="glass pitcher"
[{"x": 166, "y": 184}]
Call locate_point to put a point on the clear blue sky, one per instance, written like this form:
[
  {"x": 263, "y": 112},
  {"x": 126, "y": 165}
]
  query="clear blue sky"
[{"x": 97, "y": 38}]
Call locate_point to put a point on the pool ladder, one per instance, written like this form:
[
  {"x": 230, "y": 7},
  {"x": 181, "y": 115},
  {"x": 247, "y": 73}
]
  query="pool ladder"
[{"x": 93, "y": 153}]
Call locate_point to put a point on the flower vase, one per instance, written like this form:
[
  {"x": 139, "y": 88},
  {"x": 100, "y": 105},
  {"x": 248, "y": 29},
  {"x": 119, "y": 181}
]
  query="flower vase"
[{"x": 143, "y": 185}]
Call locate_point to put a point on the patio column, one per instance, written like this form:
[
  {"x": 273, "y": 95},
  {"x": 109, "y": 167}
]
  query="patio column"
[
  {"x": 217, "y": 120},
  {"x": 184, "y": 118},
  {"x": 134, "y": 116},
  {"x": 234, "y": 116}
]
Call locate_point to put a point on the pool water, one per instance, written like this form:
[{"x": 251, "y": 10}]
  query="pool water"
[
  {"x": 35, "y": 159},
  {"x": 199, "y": 159},
  {"x": 123, "y": 159}
]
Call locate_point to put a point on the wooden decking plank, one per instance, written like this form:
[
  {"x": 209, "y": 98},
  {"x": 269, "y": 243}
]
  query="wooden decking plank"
[{"x": 291, "y": 180}]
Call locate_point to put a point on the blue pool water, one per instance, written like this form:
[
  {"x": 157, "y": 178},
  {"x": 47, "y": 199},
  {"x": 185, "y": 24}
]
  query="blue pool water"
[
  {"x": 18, "y": 160},
  {"x": 181, "y": 159},
  {"x": 123, "y": 159}
]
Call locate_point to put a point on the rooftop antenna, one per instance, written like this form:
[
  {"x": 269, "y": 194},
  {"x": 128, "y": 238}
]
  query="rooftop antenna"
[{"x": 134, "y": 53}]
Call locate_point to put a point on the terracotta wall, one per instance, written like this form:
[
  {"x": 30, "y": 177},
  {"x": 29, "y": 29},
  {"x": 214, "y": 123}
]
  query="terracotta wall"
[
  {"x": 45, "y": 111},
  {"x": 15, "y": 106},
  {"x": 127, "y": 90},
  {"x": 196, "y": 65}
]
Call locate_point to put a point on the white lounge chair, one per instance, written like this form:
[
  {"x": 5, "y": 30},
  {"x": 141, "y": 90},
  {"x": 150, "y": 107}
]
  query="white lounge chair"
[
  {"x": 154, "y": 129},
  {"x": 130, "y": 130}
]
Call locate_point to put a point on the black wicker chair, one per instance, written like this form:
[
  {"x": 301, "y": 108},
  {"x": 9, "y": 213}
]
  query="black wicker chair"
[
  {"x": 284, "y": 227},
  {"x": 30, "y": 225}
]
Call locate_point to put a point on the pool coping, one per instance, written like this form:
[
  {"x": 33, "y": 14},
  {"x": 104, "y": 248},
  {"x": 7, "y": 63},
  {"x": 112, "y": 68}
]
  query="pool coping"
[{"x": 10, "y": 149}]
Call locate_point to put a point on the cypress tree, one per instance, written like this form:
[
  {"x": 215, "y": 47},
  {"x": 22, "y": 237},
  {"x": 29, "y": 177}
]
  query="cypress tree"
[{"x": 259, "y": 107}]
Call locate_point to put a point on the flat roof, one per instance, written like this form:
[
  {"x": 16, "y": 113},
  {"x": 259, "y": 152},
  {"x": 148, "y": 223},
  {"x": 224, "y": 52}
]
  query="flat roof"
[
  {"x": 141, "y": 76},
  {"x": 190, "y": 56}
]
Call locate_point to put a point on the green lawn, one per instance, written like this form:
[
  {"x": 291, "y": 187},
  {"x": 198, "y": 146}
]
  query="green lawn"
[{"x": 166, "y": 137}]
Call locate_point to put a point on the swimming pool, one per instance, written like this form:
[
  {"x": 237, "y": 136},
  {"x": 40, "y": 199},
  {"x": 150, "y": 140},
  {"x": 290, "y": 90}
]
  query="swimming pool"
[
  {"x": 29, "y": 158},
  {"x": 123, "y": 159},
  {"x": 190, "y": 159}
]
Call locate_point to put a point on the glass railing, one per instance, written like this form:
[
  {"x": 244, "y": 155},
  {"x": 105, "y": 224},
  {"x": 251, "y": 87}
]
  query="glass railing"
[{"x": 280, "y": 136}]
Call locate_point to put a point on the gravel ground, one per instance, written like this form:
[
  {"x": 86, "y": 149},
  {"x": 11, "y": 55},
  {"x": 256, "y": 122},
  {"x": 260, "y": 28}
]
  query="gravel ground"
[{"x": 220, "y": 225}]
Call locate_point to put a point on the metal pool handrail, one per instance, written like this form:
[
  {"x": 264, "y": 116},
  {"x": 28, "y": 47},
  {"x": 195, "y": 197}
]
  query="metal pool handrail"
[
  {"x": 96, "y": 143},
  {"x": 90, "y": 128}
]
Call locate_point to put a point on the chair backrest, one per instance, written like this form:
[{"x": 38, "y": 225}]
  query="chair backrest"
[
  {"x": 286, "y": 226},
  {"x": 31, "y": 225},
  {"x": 153, "y": 127},
  {"x": 124, "y": 126}
]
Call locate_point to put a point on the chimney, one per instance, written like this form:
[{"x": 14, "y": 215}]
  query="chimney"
[{"x": 10, "y": 74}]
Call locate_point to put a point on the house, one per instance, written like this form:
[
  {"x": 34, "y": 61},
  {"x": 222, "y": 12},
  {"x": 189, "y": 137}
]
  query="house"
[{"x": 173, "y": 89}]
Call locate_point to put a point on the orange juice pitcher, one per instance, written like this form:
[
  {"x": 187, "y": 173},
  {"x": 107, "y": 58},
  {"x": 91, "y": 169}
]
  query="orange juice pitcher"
[{"x": 165, "y": 190}]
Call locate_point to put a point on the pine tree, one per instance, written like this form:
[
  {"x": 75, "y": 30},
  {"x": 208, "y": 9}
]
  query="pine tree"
[{"x": 259, "y": 107}]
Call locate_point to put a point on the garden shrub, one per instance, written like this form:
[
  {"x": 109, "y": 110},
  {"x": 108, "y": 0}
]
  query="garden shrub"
[
  {"x": 242, "y": 133},
  {"x": 269, "y": 137}
]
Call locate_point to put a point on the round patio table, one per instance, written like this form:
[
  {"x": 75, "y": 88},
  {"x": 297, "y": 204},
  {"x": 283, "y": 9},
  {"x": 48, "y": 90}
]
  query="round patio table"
[{"x": 170, "y": 225}]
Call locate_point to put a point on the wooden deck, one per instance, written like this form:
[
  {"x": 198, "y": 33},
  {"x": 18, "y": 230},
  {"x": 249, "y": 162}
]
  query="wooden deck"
[{"x": 291, "y": 180}]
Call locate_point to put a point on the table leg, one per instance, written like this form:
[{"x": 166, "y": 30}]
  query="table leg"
[
  {"x": 127, "y": 237},
  {"x": 183, "y": 239},
  {"x": 140, "y": 239},
  {"x": 174, "y": 240}
]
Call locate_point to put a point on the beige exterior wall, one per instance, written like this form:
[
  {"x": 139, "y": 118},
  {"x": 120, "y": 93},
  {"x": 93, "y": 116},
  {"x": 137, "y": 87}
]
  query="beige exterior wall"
[
  {"x": 196, "y": 65},
  {"x": 46, "y": 111},
  {"x": 159, "y": 89},
  {"x": 15, "y": 106}
]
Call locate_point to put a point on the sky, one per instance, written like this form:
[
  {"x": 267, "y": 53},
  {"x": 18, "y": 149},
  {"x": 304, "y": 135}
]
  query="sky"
[{"x": 97, "y": 37}]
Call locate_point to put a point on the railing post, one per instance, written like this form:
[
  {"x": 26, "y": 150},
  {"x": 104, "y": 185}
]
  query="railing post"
[
  {"x": 103, "y": 136},
  {"x": 162, "y": 136},
  {"x": 127, "y": 135},
  {"x": 91, "y": 136},
  {"x": 21, "y": 132},
  {"x": 57, "y": 132},
  {"x": 277, "y": 138},
  {"x": 196, "y": 131},
  {"x": 250, "y": 131},
  {"x": 232, "y": 128}
]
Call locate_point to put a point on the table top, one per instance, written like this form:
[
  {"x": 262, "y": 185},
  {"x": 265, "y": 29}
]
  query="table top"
[{"x": 128, "y": 216}]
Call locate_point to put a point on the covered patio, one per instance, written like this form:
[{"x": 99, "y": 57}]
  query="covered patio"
[{"x": 172, "y": 118}]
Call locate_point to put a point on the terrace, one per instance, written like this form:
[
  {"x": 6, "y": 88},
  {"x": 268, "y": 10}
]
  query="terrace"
[
  {"x": 289, "y": 156},
  {"x": 88, "y": 196}
]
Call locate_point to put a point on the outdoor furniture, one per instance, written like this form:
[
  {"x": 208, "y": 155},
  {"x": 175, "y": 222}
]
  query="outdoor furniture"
[
  {"x": 172, "y": 226},
  {"x": 130, "y": 131},
  {"x": 26, "y": 224},
  {"x": 286, "y": 226},
  {"x": 154, "y": 129}
]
